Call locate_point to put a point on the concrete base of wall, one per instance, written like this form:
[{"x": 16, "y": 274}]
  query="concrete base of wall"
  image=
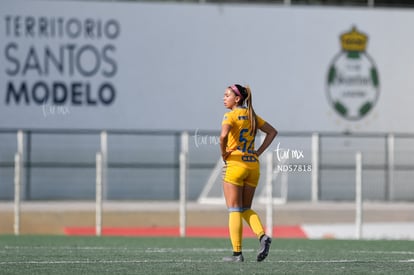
[{"x": 50, "y": 217}]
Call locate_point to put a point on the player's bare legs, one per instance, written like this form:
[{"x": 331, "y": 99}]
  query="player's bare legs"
[
  {"x": 233, "y": 195},
  {"x": 239, "y": 200},
  {"x": 251, "y": 217}
]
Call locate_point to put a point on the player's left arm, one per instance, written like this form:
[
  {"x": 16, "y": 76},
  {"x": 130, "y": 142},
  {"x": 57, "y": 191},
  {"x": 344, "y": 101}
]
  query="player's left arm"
[{"x": 270, "y": 135}]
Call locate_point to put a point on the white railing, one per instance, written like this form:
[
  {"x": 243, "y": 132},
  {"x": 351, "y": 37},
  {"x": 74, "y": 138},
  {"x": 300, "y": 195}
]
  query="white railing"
[
  {"x": 269, "y": 193},
  {"x": 18, "y": 176},
  {"x": 17, "y": 186},
  {"x": 99, "y": 193},
  {"x": 184, "y": 165},
  {"x": 358, "y": 195},
  {"x": 315, "y": 165}
]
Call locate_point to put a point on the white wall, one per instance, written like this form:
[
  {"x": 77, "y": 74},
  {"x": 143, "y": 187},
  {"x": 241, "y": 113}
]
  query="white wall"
[{"x": 168, "y": 64}]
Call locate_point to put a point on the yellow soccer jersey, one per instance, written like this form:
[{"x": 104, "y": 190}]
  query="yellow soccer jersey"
[{"x": 240, "y": 137}]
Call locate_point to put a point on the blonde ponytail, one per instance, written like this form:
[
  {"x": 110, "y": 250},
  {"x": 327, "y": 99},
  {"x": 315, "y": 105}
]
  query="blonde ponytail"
[{"x": 252, "y": 114}]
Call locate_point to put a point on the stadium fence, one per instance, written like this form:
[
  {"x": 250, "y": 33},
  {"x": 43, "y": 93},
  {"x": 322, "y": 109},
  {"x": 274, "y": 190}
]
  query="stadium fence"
[{"x": 386, "y": 156}]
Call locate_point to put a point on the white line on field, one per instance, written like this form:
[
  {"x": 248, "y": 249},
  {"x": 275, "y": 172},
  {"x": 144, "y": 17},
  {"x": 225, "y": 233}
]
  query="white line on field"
[
  {"x": 146, "y": 250},
  {"x": 383, "y": 252},
  {"x": 85, "y": 262},
  {"x": 178, "y": 250},
  {"x": 66, "y": 247},
  {"x": 189, "y": 261},
  {"x": 143, "y": 250},
  {"x": 164, "y": 250}
]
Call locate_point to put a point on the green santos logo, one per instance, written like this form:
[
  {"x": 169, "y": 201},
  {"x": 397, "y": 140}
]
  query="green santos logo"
[{"x": 352, "y": 81}]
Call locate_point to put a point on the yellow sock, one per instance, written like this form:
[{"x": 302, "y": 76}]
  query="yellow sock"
[
  {"x": 235, "y": 229},
  {"x": 254, "y": 222}
]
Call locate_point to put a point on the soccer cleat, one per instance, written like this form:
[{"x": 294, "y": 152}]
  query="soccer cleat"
[
  {"x": 234, "y": 259},
  {"x": 264, "y": 248}
]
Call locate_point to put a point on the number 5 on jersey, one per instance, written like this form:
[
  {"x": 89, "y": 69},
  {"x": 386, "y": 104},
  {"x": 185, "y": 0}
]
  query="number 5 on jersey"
[{"x": 244, "y": 139}]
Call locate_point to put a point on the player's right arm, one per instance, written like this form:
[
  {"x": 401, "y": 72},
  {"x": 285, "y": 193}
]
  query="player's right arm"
[{"x": 224, "y": 136}]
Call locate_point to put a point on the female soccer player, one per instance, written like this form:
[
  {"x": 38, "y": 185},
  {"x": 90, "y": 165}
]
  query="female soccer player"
[{"x": 242, "y": 169}]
